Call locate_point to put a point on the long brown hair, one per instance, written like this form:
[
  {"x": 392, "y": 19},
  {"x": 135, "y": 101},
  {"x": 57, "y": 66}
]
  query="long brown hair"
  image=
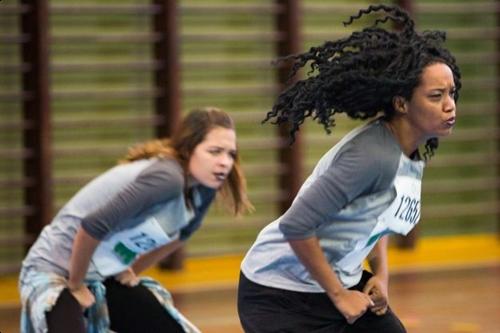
[{"x": 192, "y": 130}]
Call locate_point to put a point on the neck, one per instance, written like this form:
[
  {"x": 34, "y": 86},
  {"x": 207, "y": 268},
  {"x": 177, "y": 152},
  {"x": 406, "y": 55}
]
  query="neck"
[
  {"x": 191, "y": 181},
  {"x": 404, "y": 135}
]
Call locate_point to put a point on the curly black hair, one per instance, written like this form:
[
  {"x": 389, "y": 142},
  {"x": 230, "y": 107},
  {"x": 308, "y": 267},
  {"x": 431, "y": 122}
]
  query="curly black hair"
[{"x": 359, "y": 75}]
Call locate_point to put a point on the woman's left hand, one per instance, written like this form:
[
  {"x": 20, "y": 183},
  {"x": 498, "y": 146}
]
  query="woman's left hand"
[
  {"x": 377, "y": 290},
  {"x": 127, "y": 278}
]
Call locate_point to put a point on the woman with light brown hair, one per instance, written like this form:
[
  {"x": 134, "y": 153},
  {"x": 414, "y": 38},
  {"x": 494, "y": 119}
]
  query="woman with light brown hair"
[{"x": 81, "y": 275}]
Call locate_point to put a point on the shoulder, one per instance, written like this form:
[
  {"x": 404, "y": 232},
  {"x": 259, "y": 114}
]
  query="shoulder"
[
  {"x": 370, "y": 158},
  {"x": 375, "y": 147},
  {"x": 165, "y": 172}
]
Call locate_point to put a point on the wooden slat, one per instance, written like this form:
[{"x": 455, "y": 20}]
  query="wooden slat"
[
  {"x": 450, "y": 211},
  {"x": 105, "y": 66},
  {"x": 268, "y": 168},
  {"x": 439, "y": 186},
  {"x": 13, "y": 96},
  {"x": 79, "y": 180},
  {"x": 89, "y": 38},
  {"x": 471, "y": 58},
  {"x": 471, "y": 7},
  {"x": 248, "y": 89},
  {"x": 227, "y": 63},
  {"x": 229, "y": 9},
  {"x": 11, "y": 212},
  {"x": 14, "y": 68},
  {"x": 15, "y": 154},
  {"x": 13, "y": 9},
  {"x": 108, "y": 122},
  {"x": 14, "y": 240},
  {"x": 480, "y": 83},
  {"x": 15, "y": 125},
  {"x": 103, "y": 9},
  {"x": 469, "y": 33},
  {"x": 131, "y": 93},
  {"x": 9, "y": 268},
  {"x": 473, "y": 33},
  {"x": 473, "y": 134},
  {"x": 13, "y": 39},
  {"x": 261, "y": 143},
  {"x": 110, "y": 150},
  {"x": 435, "y": 7},
  {"x": 248, "y": 116},
  {"x": 464, "y": 159},
  {"x": 329, "y": 8},
  {"x": 478, "y": 109},
  {"x": 266, "y": 196},
  {"x": 228, "y": 36},
  {"x": 37, "y": 110},
  {"x": 7, "y": 184}
]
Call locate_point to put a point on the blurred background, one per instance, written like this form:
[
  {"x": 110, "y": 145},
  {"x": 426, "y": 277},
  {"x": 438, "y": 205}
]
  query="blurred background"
[{"x": 80, "y": 81}]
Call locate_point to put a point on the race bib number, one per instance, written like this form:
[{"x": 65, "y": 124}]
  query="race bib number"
[
  {"x": 115, "y": 254},
  {"x": 404, "y": 212}
]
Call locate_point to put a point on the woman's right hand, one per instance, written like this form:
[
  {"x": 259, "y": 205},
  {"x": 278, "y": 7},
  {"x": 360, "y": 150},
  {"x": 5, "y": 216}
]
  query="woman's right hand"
[
  {"x": 352, "y": 304},
  {"x": 83, "y": 295},
  {"x": 128, "y": 278}
]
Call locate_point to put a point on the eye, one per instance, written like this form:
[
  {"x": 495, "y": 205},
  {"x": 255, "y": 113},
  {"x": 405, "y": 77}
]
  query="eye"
[{"x": 214, "y": 151}]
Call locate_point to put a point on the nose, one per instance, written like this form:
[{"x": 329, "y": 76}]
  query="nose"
[
  {"x": 226, "y": 161},
  {"x": 449, "y": 105}
]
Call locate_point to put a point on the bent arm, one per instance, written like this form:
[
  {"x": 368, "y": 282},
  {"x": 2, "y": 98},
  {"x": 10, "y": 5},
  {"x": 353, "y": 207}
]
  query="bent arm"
[
  {"x": 352, "y": 304},
  {"x": 312, "y": 257},
  {"x": 84, "y": 246},
  {"x": 153, "y": 257},
  {"x": 377, "y": 259},
  {"x": 377, "y": 286}
]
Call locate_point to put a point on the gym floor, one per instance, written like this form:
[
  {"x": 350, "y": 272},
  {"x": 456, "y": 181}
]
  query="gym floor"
[
  {"x": 443, "y": 286},
  {"x": 431, "y": 302}
]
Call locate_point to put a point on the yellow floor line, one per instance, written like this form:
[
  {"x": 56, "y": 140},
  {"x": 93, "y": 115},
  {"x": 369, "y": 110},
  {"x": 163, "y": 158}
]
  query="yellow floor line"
[
  {"x": 447, "y": 252},
  {"x": 222, "y": 271}
]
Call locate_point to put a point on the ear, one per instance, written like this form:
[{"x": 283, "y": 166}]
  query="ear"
[{"x": 400, "y": 104}]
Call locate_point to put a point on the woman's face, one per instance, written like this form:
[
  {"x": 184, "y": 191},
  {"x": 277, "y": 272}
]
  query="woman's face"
[
  {"x": 431, "y": 109},
  {"x": 213, "y": 158}
]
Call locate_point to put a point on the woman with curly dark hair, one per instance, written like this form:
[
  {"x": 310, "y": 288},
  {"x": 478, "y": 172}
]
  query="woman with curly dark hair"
[{"x": 304, "y": 272}]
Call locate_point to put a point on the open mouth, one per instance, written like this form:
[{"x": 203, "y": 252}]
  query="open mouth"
[
  {"x": 451, "y": 122},
  {"x": 220, "y": 176}
]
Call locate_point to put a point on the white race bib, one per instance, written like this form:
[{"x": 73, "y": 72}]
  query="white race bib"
[
  {"x": 400, "y": 217},
  {"x": 404, "y": 212},
  {"x": 115, "y": 254}
]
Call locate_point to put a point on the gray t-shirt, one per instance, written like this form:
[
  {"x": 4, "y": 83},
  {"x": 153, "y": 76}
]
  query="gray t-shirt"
[
  {"x": 121, "y": 198},
  {"x": 340, "y": 203}
]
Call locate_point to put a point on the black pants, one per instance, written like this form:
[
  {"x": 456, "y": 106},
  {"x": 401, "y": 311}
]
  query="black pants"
[
  {"x": 131, "y": 310},
  {"x": 263, "y": 309}
]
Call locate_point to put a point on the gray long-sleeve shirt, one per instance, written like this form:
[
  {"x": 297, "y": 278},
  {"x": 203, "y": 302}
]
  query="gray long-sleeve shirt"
[
  {"x": 121, "y": 198},
  {"x": 340, "y": 203}
]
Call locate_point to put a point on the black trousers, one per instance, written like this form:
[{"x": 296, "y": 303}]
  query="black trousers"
[
  {"x": 131, "y": 310},
  {"x": 270, "y": 310}
]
